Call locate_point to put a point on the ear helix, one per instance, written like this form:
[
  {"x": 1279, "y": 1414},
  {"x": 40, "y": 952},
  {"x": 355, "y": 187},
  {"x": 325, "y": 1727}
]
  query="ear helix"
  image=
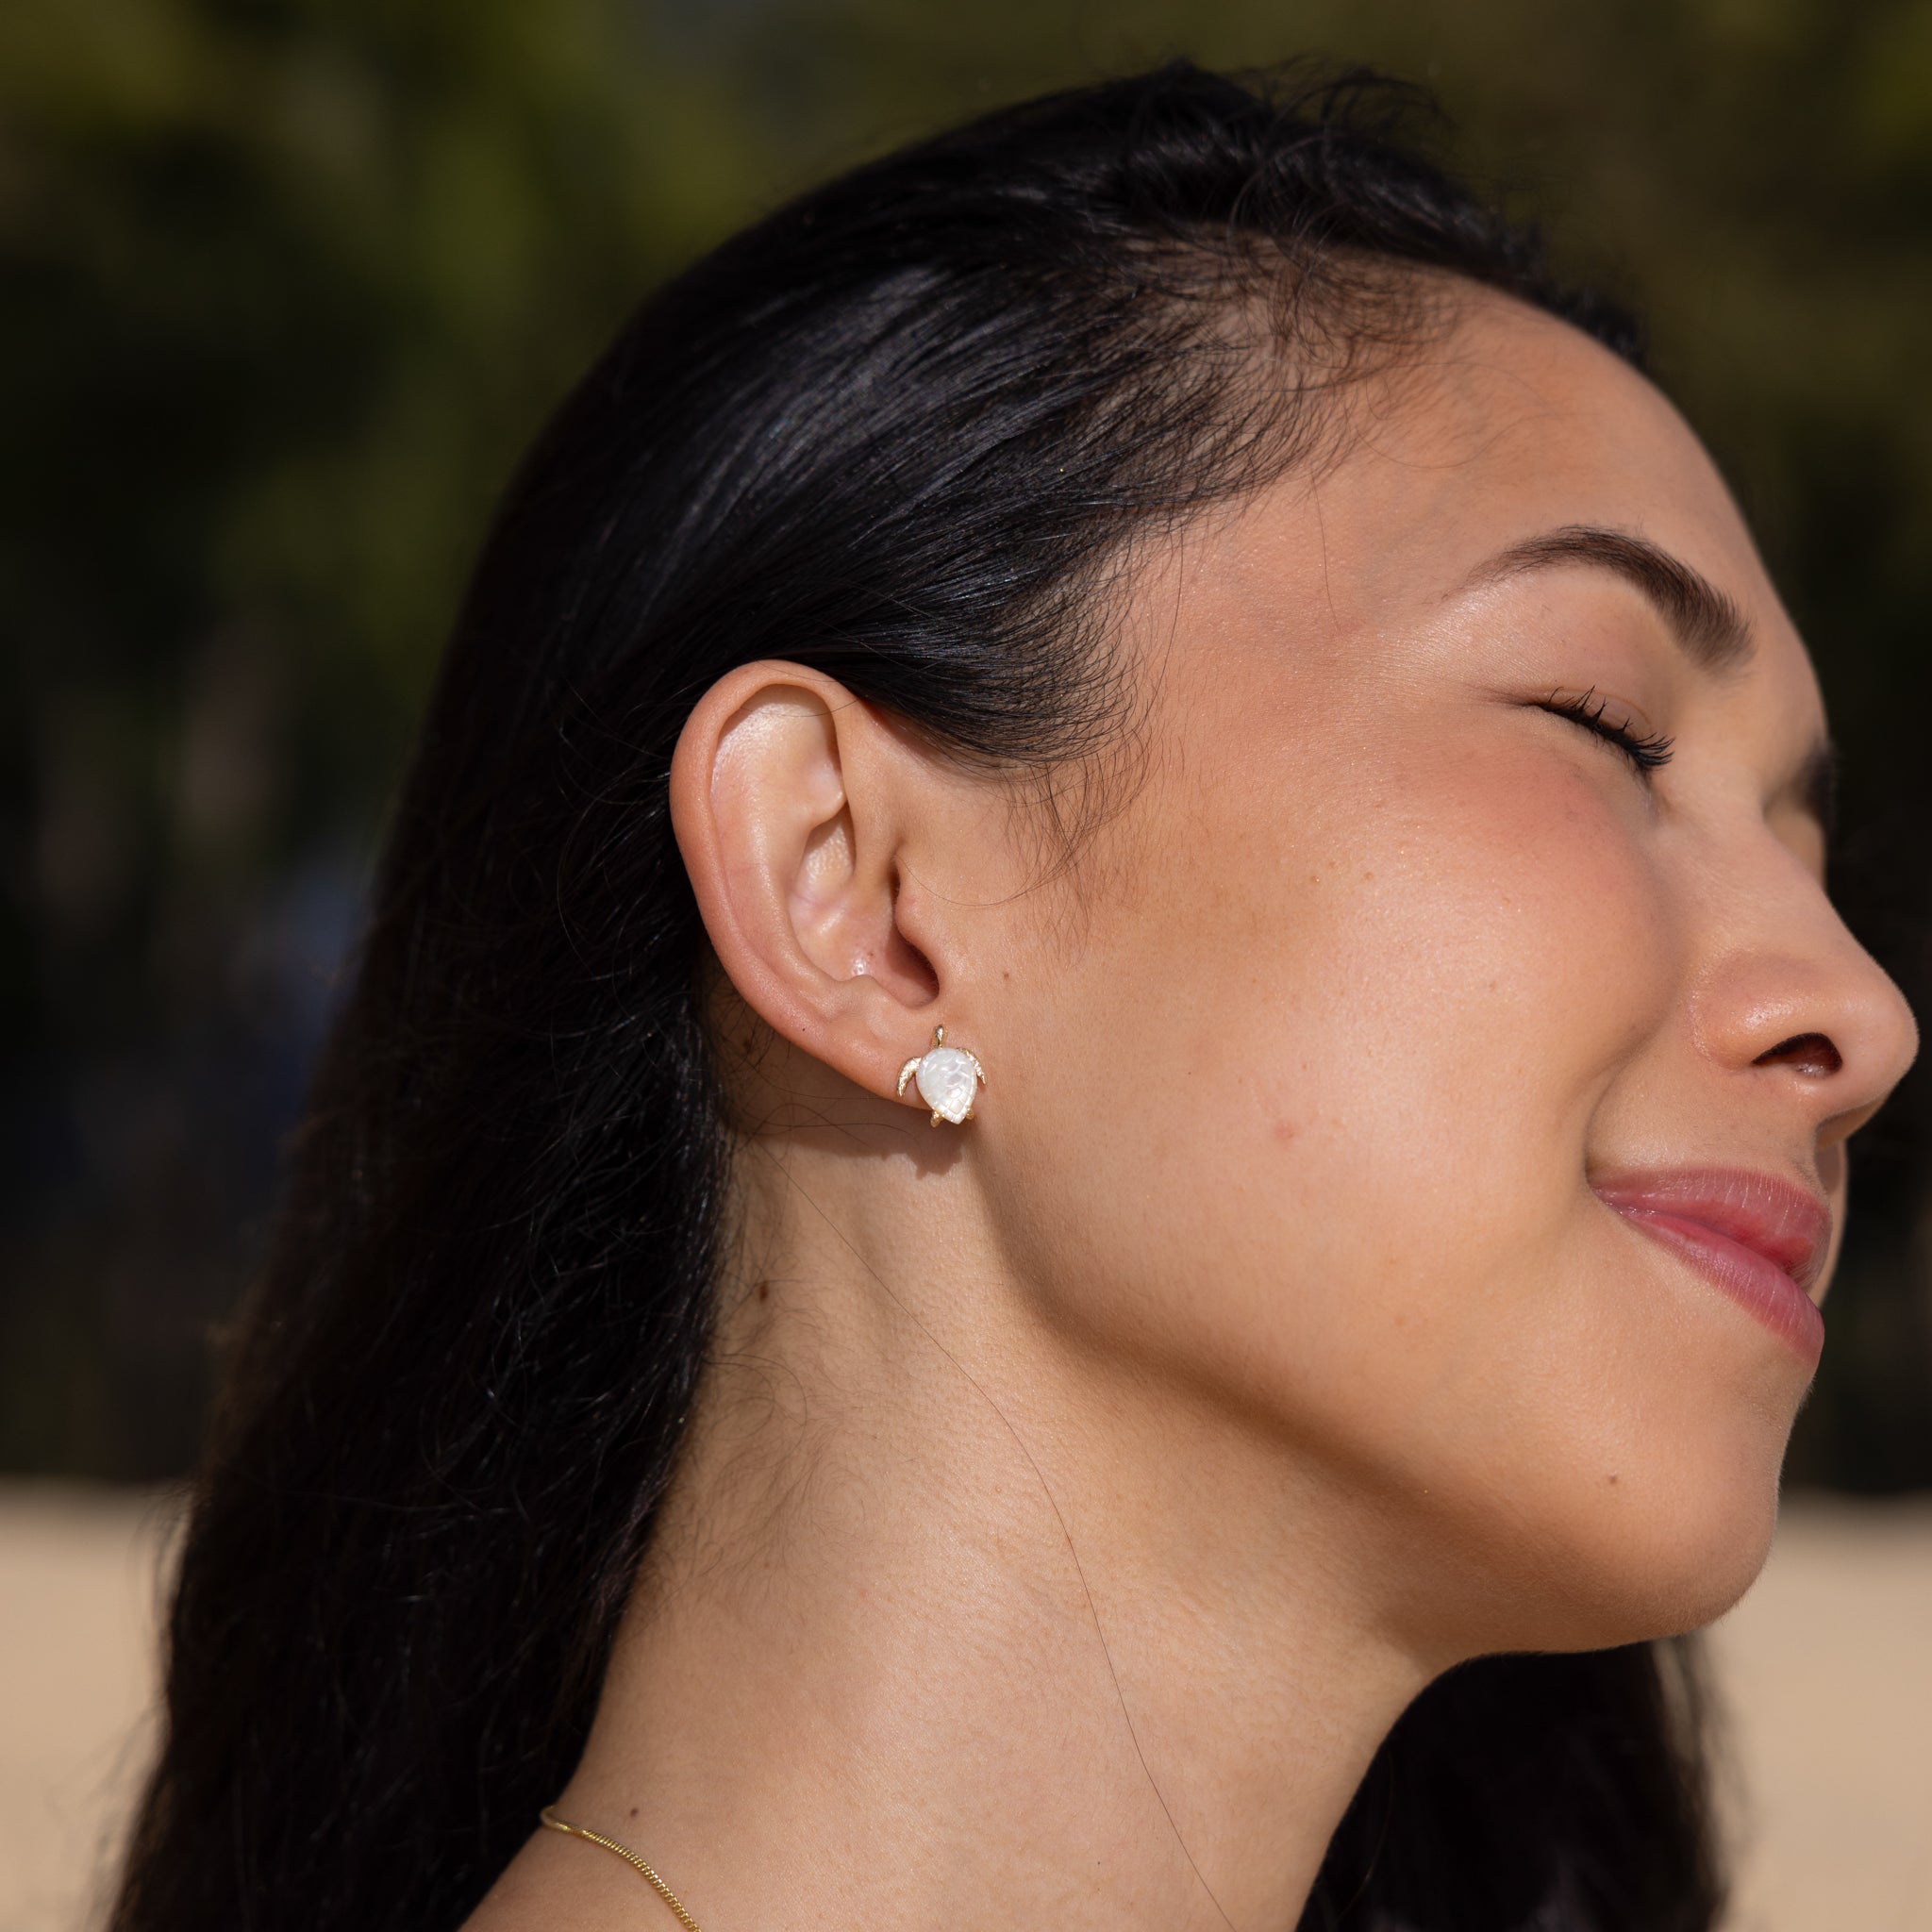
[{"x": 946, "y": 1077}]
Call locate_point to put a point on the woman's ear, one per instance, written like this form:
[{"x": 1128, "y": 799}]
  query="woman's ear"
[{"x": 787, "y": 798}]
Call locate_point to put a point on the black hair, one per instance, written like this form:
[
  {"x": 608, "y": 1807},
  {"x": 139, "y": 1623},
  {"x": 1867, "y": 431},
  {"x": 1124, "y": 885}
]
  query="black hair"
[{"x": 906, "y": 429}]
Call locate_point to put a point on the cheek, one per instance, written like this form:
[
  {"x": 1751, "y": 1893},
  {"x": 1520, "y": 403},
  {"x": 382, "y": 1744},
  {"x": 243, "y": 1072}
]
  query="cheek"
[
  {"x": 1351, "y": 1039},
  {"x": 1373, "y": 1022},
  {"x": 1472, "y": 956},
  {"x": 1328, "y": 1070}
]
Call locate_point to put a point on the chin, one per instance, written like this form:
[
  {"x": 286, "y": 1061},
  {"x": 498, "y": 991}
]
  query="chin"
[
  {"x": 1650, "y": 1556},
  {"x": 1661, "y": 1571}
]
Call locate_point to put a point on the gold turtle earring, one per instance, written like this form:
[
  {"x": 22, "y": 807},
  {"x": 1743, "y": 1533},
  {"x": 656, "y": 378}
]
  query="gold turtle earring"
[{"x": 946, "y": 1077}]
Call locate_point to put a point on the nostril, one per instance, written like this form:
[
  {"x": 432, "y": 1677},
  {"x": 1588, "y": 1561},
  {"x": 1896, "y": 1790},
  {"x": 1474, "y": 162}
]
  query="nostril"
[{"x": 1806, "y": 1053}]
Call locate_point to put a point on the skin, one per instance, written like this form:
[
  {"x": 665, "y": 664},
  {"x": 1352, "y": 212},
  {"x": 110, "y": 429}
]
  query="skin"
[{"x": 1078, "y": 1495}]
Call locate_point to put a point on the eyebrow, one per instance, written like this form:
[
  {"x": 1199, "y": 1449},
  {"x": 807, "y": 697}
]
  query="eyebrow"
[{"x": 1706, "y": 622}]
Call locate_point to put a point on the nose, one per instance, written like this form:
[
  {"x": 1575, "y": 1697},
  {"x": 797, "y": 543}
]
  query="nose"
[{"x": 1796, "y": 1000}]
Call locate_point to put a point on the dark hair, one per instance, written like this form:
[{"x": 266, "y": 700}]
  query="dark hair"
[{"x": 905, "y": 430}]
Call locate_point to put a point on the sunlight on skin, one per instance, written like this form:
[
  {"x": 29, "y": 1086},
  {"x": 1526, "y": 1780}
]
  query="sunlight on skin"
[{"x": 1079, "y": 1495}]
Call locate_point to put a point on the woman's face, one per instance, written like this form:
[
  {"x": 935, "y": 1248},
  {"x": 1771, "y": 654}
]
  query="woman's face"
[{"x": 1456, "y": 1091}]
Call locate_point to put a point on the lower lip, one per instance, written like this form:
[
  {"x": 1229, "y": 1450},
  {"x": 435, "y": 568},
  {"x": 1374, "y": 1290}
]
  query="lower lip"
[{"x": 1760, "y": 1286}]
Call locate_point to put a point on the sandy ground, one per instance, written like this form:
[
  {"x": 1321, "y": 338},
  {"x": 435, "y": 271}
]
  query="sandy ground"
[
  {"x": 80, "y": 1589},
  {"x": 1827, "y": 1667}
]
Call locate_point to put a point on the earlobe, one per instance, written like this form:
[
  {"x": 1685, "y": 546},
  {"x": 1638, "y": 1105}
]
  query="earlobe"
[{"x": 788, "y": 799}]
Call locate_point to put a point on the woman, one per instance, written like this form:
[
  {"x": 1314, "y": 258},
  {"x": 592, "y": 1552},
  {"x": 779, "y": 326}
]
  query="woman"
[{"x": 1086, "y": 1141}]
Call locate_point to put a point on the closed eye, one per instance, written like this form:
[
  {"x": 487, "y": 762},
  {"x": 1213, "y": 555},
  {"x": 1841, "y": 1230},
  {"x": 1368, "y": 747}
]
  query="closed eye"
[{"x": 1596, "y": 716}]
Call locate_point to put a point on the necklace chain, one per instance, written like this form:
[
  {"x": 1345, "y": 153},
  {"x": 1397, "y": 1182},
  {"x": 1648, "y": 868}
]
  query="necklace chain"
[{"x": 554, "y": 1822}]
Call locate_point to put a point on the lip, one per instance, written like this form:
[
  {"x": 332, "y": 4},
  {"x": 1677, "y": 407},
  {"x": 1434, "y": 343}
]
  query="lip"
[{"x": 1762, "y": 1240}]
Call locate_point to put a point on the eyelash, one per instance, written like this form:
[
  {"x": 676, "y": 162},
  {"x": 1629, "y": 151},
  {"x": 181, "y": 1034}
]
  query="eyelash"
[{"x": 1645, "y": 754}]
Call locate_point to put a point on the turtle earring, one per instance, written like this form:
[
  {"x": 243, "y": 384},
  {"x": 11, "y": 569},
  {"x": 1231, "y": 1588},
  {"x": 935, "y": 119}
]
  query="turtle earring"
[{"x": 946, "y": 1077}]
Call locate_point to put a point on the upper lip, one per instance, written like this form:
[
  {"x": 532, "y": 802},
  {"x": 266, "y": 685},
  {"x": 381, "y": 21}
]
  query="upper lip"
[{"x": 1788, "y": 1224}]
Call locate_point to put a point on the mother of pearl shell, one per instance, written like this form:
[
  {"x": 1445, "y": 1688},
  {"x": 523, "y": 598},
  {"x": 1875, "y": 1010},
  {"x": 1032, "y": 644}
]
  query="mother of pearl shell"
[{"x": 945, "y": 1082}]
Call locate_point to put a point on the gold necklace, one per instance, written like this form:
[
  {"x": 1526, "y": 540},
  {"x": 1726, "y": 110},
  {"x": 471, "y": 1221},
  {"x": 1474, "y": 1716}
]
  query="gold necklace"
[{"x": 550, "y": 1819}]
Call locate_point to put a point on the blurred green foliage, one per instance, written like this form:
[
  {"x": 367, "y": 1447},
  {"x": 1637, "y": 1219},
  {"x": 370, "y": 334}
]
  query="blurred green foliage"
[{"x": 285, "y": 286}]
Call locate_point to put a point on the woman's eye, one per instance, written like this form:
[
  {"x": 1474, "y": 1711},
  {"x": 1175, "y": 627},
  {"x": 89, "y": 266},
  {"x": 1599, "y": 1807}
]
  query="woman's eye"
[{"x": 1646, "y": 754}]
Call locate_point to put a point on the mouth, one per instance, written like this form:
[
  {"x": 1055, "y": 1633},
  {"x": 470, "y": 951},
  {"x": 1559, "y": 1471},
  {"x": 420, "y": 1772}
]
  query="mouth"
[{"x": 1762, "y": 1241}]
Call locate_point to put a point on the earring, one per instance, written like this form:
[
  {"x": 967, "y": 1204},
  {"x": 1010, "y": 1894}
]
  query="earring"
[{"x": 947, "y": 1075}]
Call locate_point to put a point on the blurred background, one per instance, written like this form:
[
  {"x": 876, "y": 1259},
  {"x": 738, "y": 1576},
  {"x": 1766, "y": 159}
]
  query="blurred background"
[{"x": 286, "y": 286}]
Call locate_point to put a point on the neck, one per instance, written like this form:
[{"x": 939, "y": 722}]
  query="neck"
[{"x": 936, "y": 1627}]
